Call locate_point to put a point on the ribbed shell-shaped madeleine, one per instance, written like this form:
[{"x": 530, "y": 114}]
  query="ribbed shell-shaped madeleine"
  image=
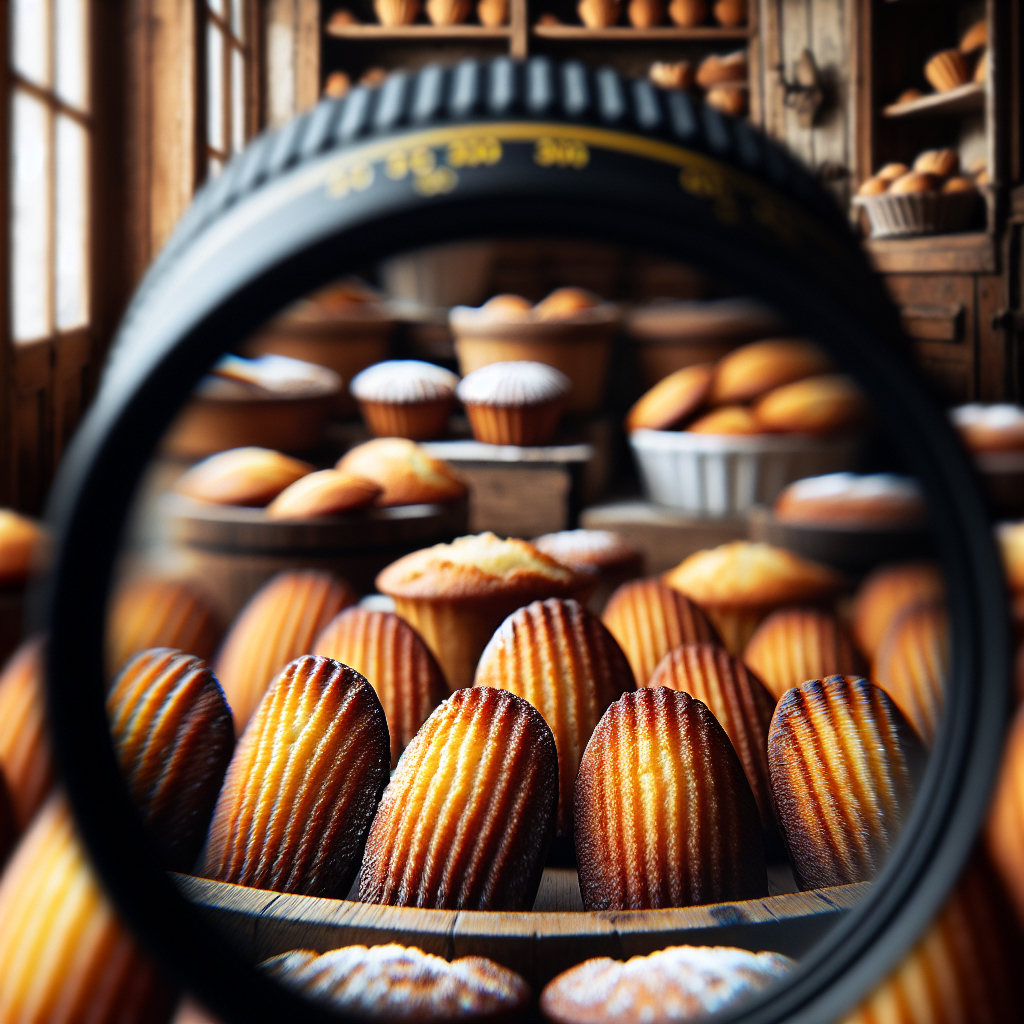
[
  {"x": 559, "y": 657},
  {"x": 26, "y": 762},
  {"x": 65, "y": 958},
  {"x": 737, "y": 698},
  {"x": 279, "y": 622},
  {"x": 395, "y": 661},
  {"x": 797, "y": 644},
  {"x": 843, "y": 765},
  {"x": 173, "y": 737},
  {"x": 395, "y": 982},
  {"x": 648, "y": 619},
  {"x": 1005, "y": 828},
  {"x": 965, "y": 968},
  {"x": 303, "y": 784},
  {"x": 664, "y": 814},
  {"x": 912, "y": 666},
  {"x": 149, "y": 613},
  {"x": 470, "y": 813},
  {"x": 888, "y": 591}
]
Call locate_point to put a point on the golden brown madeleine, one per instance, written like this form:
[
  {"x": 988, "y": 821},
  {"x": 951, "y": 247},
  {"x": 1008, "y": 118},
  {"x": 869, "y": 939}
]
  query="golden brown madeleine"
[
  {"x": 886, "y": 593},
  {"x": 148, "y": 612},
  {"x": 797, "y": 644},
  {"x": 395, "y": 982},
  {"x": 681, "y": 983},
  {"x": 843, "y": 763},
  {"x": 324, "y": 493},
  {"x": 947, "y": 70},
  {"x": 173, "y": 737},
  {"x": 727, "y": 419},
  {"x": 65, "y": 958},
  {"x": 649, "y": 619},
  {"x": 912, "y": 666},
  {"x": 963, "y": 970},
  {"x": 408, "y": 475},
  {"x": 755, "y": 369},
  {"x": 395, "y": 661},
  {"x": 1005, "y": 829},
  {"x": 665, "y": 816},
  {"x": 737, "y": 698},
  {"x": 22, "y": 545},
  {"x": 470, "y": 813},
  {"x": 241, "y": 476},
  {"x": 279, "y": 622},
  {"x": 560, "y": 658},
  {"x": 303, "y": 784},
  {"x": 26, "y": 762},
  {"x": 673, "y": 399},
  {"x": 829, "y": 404}
]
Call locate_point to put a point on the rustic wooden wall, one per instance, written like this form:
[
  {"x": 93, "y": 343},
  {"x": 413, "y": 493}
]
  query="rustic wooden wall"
[{"x": 291, "y": 39}]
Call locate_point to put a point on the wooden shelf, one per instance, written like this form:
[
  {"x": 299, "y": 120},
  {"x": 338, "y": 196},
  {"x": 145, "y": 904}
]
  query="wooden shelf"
[
  {"x": 417, "y": 33},
  {"x": 624, "y": 33},
  {"x": 972, "y": 252},
  {"x": 964, "y": 99}
]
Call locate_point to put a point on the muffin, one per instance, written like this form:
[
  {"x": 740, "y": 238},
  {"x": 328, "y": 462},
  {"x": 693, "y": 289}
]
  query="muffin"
[
  {"x": 327, "y": 492},
  {"x": 672, "y": 400},
  {"x": 738, "y": 584},
  {"x": 456, "y": 595},
  {"x": 671, "y": 74},
  {"x": 912, "y": 666},
  {"x": 149, "y": 612},
  {"x": 407, "y": 473},
  {"x": 873, "y": 501},
  {"x": 468, "y": 817},
  {"x": 760, "y": 367},
  {"x": 241, "y": 476},
  {"x": 946, "y": 70},
  {"x": 681, "y": 983},
  {"x": 740, "y": 702},
  {"x": 729, "y": 419},
  {"x": 514, "y": 403},
  {"x": 829, "y": 404},
  {"x": 990, "y": 428},
  {"x": 844, "y": 764},
  {"x": 393, "y": 982},
  {"x": 405, "y": 398},
  {"x": 606, "y": 557},
  {"x": 278, "y": 623},
  {"x": 560, "y": 658},
  {"x": 302, "y": 785},
  {"x": 715, "y": 69},
  {"x": 939, "y": 162},
  {"x": 659, "y": 766},
  {"x": 649, "y": 619},
  {"x": 796, "y": 644},
  {"x": 389, "y": 653},
  {"x": 21, "y": 543},
  {"x": 885, "y": 593}
]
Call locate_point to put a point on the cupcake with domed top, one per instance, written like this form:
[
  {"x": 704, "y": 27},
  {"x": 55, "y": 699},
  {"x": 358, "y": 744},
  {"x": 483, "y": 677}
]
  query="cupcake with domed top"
[{"x": 405, "y": 398}]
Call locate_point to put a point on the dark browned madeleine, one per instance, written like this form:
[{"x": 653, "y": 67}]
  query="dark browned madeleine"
[
  {"x": 648, "y": 619},
  {"x": 173, "y": 737},
  {"x": 665, "y": 816},
  {"x": 470, "y": 812},
  {"x": 912, "y": 666},
  {"x": 843, "y": 763},
  {"x": 280, "y": 622},
  {"x": 559, "y": 657},
  {"x": 26, "y": 762},
  {"x": 303, "y": 784},
  {"x": 149, "y": 613},
  {"x": 395, "y": 982},
  {"x": 396, "y": 662},
  {"x": 797, "y": 644},
  {"x": 738, "y": 699}
]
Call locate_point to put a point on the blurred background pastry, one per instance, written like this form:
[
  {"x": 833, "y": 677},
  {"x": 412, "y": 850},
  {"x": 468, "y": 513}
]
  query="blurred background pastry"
[{"x": 405, "y": 398}]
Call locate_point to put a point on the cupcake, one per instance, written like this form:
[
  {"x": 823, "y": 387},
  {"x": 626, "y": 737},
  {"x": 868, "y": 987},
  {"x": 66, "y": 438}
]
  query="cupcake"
[
  {"x": 405, "y": 398},
  {"x": 740, "y": 583},
  {"x": 874, "y": 501},
  {"x": 514, "y": 403},
  {"x": 456, "y": 595},
  {"x": 990, "y": 428},
  {"x": 608, "y": 557}
]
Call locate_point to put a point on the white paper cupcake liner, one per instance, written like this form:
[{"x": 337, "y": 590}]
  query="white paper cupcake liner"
[{"x": 919, "y": 213}]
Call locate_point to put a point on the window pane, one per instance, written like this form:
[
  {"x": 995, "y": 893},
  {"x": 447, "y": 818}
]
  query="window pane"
[
  {"x": 214, "y": 87},
  {"x": 30, "y": 227},
  {"x": 216, "y": 5},
  {"x": 237, "y": 21},
  {"x": 72, "y": 225},
  {"x": 215, "y": 166},
  {"x": 71, "y": 21},
  {"x": 237, "y": 101},
  {"x": 29, "y": 40}
]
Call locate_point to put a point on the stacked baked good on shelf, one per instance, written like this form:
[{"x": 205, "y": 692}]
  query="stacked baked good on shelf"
[
  {"x": 723, "y": 78},
  {"x": 643, "y": 14},
  {"x": 933, "y": 171}
]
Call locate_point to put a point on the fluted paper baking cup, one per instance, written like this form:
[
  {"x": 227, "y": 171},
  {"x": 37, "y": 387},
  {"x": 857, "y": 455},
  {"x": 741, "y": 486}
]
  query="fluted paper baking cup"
[{"x": 918, "y": 213}]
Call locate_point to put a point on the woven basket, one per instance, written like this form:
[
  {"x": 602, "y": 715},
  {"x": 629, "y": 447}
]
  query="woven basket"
[{"x": 919, "y": 213}]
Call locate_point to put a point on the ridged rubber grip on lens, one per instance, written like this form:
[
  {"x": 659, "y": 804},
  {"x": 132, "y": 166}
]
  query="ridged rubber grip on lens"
[
  {"x": 843, "y": 764},
  {"x": 303, "y": 784},
  {"x": 280, "y": 622},
  {"x": 173, "y": 737},
  {"x": 470, "y": 813},
  {"x": 664, "y": 814},
  {"x": 560, "y": 658},
  {"x": 395, "y": 661},
  {"x": 649, "y": 619}
]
